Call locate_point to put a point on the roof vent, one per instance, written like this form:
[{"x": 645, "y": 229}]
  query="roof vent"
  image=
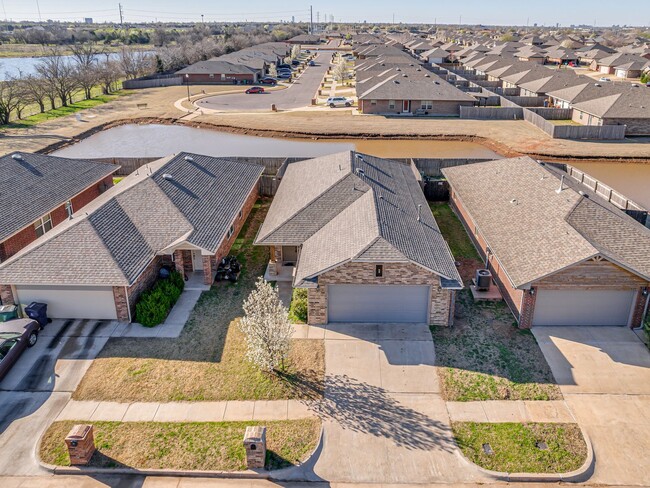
[
  {"x": 168, "y": 177},
  {"x": 396, "y": 82},
  {"x": 188, "y": 158},
  {"x": 514, "y": 201},
  {"x": 635, "y": 85},
  {"x": 427, "y": 76},
  {"x": 398, "y": 69},
  {"x": 405, "y": 75},
  {"x": 436, "y": 82},
  {"x": 17, "y": 157},
  {"x": 598, "y": 84},
  {"x": 360, "y": 172}
]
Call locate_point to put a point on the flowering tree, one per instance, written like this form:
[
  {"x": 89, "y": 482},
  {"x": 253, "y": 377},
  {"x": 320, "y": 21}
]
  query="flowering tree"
[
  {"x": 295, "y": 51},
  {"x": 267, "y": 327},
  {"x": 339, "y": 70}
]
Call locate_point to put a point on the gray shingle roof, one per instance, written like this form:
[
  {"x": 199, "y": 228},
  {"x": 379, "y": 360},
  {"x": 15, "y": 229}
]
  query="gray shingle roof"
[
  {"x": 633, "y": 103},
  {"x": 374, "y": 216},
  {"x": 535, "y": 231},
  {"x": 37, "y": 184},
  {"x": 115, "y": 237}
]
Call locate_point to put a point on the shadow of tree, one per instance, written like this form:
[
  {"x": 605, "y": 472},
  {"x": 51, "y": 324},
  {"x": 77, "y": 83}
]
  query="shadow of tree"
[{"x": 370, "y": 409}]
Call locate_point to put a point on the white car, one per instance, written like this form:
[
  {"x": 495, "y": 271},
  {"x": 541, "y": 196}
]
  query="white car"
[
  {"x": 339, "y": 102},
  {"x": 605, "y": 79}
]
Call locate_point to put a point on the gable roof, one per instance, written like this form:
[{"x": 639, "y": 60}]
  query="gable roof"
[
  {"x": 32, "y": 185},
  {"x": 372, "y": 216},
  {"x": 533, "y": 230},
  {"x": 632, "y": 103},
  {"x": 216, "y": 66},
  {"x": 180, "y": 199}
]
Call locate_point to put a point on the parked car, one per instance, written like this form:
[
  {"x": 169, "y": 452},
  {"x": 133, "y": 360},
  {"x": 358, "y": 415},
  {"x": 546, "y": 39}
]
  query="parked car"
[
  {"x": 16, "y": 336},
  {"x": 255, "y": 89},
  {"x": 605, "y": 79},
  {"x": 268, "y": 81},
  {"x": 284, "y": 76},
  {"x": 307, "y": 51},
  {"x": 339, "y": 102},
  {"x": 283, "y": 66},
  {"x": 311, "y": 63},
  {"x": 295, "y": 62}
]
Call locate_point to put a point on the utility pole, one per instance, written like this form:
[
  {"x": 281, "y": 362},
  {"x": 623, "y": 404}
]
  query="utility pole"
[
  {"x": 393, "y": 18},
  {"x": 121, "y": 14},
  {"x": 311, "y": 19},
  {"x": 317, "y": 18},
  {"x": 202, "y": 19},
  {"x": 38, "y": 7}
]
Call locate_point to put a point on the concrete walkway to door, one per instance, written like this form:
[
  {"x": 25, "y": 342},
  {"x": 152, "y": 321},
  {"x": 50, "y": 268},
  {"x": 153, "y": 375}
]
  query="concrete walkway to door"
[
  {"x": 604, "y": 375},
  {"x": 384, "y": 420}
]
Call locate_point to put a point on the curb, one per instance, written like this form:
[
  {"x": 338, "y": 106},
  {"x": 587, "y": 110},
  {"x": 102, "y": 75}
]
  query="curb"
[{"x": 583, "y": 473}]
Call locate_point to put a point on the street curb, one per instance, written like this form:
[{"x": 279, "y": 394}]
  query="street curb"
[{"x": 583, "y": 473}]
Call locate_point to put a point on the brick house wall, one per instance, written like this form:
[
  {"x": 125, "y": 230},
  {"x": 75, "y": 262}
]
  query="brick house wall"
[
  {"x": 439, "y": 107},
  {"x": 216, "y": 79},
  {"x": 28, "y": 235},
  {"x": 394, "y": 274},
  {"x": 640, "y": 307}
]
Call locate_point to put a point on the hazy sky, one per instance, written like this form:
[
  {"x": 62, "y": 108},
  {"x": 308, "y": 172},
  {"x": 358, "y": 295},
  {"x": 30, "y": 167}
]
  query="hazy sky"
[{"x": 519, "y": 12}]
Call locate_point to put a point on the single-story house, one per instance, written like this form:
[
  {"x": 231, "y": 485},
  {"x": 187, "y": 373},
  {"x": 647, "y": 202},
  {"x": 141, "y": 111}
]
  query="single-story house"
[
  {"x": 220, "y": 72},
  {"x": 560, "y": 254},
  {"x": 633, "y": 69},
  {"x": 631, "y": 108},
  {"x": 38, "y": 192},
  {"x": 304, "y": 39},
  {"x": 608, "y": 64},
  {"x": 357, "y": 233},
  {"x": 435, "y": 56},
  {"x": 410, "y": 92},
  {"x": 184, "y": 211}
]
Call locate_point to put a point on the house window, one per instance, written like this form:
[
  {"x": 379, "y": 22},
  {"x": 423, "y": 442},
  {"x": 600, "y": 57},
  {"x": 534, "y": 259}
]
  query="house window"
[
  {"x": 426, "y": 105},
  {"x": 69, "y": 209},
  {"x": 231, "y": 231},
  {"x": 43, "y": 225},
  {"x": 373, "y": 102},
  {"x": 391, "y": 104},
  {"x": 580, "y": 115},
  {"x": 379, "y": 271}
]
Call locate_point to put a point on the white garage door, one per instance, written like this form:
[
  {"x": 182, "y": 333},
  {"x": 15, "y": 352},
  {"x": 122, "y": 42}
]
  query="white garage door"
[
  {"x": 583, "y": 307},
  {"x": 378, "y": 303},
  {"x": 71, "y": 302}
]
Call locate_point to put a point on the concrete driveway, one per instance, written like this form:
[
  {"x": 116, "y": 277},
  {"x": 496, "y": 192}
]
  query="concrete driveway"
[
  {"x": 604, "y": 375},
  {"x": 41, "y": 383},
  {"x": 384, "y": 419},
  {"x": 298, "y": 95}
]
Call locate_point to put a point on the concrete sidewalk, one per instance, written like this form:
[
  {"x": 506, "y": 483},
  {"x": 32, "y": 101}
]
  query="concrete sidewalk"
[
  {"x": 186, "y": 411},
  {"x": 555, "y": 411}
]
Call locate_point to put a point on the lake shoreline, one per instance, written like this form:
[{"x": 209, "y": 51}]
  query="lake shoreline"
[{"x": 316, "y": 136}]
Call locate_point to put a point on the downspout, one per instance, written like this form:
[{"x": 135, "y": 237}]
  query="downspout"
[{"x": 128, "y": 306}]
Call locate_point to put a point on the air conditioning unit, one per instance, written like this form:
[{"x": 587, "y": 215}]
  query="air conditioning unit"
[{"x": 483, "y": 279}]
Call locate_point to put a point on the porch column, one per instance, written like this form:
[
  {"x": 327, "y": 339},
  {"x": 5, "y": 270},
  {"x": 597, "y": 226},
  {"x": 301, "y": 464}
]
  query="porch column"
[
  {"x": 207, "y": 270},
  {"x": 178, "y": 261}
]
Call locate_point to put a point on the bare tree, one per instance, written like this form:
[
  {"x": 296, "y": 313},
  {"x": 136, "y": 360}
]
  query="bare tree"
[
  {"x": 108, "y": 75},
  {"x": 59, "y": 74},
  {"x": 135, "y": 63},
  {"x": 9, "y": 98},
  {"x": 34, "y": 90},
  {"x": 86, "y": 73}
]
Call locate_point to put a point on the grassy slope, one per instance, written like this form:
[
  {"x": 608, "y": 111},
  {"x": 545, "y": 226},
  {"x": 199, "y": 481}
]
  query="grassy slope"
[
  {"x": 191, "y": 446},
  {"x": 207, "y": 362},
  {"x": 515, "y": 450}
]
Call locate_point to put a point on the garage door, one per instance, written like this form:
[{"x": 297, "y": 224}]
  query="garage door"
[
  {"x": 71, "y": 302},
  {"x": 378, "y": 303},
  {"x": 583, "y": 307}
]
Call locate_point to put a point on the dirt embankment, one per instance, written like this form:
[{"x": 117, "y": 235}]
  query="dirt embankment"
[{"x": 312, "y": 134}]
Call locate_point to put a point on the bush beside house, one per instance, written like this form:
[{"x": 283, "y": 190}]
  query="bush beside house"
[
  {"x": 298, "y": 308},
  {"x": 154, "y": 305}
]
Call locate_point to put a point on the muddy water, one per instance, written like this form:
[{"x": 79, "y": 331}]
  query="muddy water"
[
  {"x": 162, "y": 140},
  {"x": 632, "y": 180}
]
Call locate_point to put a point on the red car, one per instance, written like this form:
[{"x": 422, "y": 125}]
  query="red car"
[
  {"x": 268, "y": 81},
  {"x": 255, "y": 89}
]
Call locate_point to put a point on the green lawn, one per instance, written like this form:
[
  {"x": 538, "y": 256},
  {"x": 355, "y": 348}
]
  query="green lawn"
[
  {"x": 453, "y": 231},
  {"x": 64, "y": 111},
  {"x": 515, "y": 450},
  {"x": 207, "y": 362},
  {"x": 213, "y": 446}
]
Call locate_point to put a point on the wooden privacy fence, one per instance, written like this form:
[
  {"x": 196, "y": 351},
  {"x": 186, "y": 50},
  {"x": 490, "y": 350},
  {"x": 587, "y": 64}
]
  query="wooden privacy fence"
[
  {"x": 527, "y": 101},
  {"x": 152, "y": 82},
  {"x": 607, "y": 192},
  {"x": 597, "y": 132},
  {"x": 491, "y": 113},
  {"x": 550, "y": 113}
]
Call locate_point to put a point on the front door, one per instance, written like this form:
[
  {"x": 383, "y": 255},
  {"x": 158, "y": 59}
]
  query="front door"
[
  {"x": 406, "y": 106},
  {"x": 197, "y": 261}
]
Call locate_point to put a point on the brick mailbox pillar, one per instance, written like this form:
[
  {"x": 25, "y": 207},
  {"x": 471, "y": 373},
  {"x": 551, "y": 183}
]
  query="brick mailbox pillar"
[
  {"x": 255, "y": 445},
  {"x": 81, "y": 444}
]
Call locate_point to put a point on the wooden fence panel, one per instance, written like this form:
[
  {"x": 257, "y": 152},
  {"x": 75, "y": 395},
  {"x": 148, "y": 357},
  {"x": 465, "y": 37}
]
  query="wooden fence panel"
[
  {"x": 550, "y": 113},
  {"x": 152, "y": 82},
  {"x": 491, "y": 113}
]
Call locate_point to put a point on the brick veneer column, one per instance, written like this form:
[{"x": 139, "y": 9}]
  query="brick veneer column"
[
  {"x": 121, "y": 303},
  {"x": 639, "y": 308},
  {"x": 7, "y": 295},
  {"x": 207, "y": 269},
  {"x": 527, "y": 310}
]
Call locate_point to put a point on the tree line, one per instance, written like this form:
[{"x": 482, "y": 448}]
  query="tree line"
[{"x": 58, "y": 79}]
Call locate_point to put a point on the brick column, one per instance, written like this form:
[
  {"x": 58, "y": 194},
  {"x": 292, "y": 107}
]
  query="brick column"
[
  {"x": 639, "y": 308},
  {"x": 178, "y": 261},
  {"x": 7, "y": 295},
  {"x": 207, "y": 269},
  {"x": 121, "y": 303},
  {"x": 527, "y": 309},
  {"x": 273, "y": 269}
]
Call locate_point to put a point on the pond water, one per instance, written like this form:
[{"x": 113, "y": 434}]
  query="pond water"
[
  {"x": 633, "y": 180},
  {"x": 27, "y": 66},
  {"x": 162, "y": 140}
]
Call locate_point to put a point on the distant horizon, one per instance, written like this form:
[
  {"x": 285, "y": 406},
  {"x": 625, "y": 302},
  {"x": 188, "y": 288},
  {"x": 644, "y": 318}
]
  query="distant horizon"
[{"x": 497, "y": 13}]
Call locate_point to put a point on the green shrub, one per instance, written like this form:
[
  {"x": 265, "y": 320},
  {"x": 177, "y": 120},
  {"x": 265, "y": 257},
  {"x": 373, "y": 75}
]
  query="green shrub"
[
  {"x": 298, "y": 308},
  {"x": 154, "y": 305}
]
